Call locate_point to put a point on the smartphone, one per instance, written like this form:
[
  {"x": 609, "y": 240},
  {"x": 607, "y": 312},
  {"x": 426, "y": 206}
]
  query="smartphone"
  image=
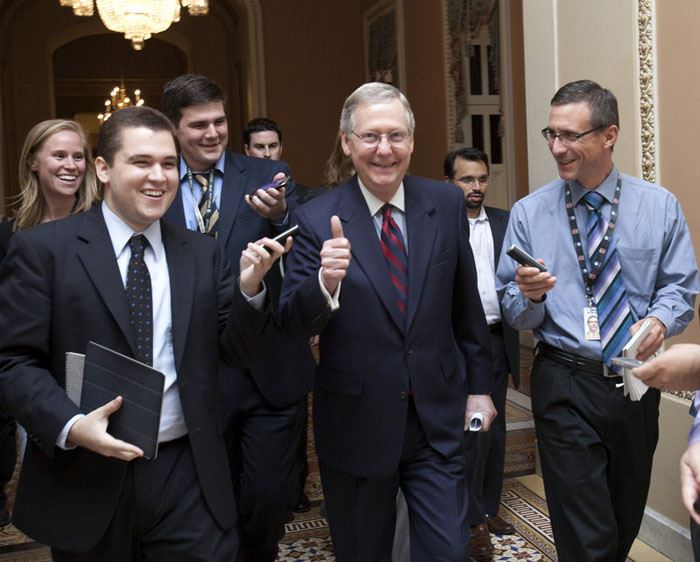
[
  {"x": 523, "y": 258},
  {"x": 282, "y": 238},
  {"x": 277, "y": 184},
  {"x": 626, "y": 362}
]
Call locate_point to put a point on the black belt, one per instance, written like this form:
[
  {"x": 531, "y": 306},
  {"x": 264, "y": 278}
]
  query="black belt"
[
  {"x": 495, "y": 327},
  {"x": 177, "y": 441},
  {"x": 575, "y": 361}
]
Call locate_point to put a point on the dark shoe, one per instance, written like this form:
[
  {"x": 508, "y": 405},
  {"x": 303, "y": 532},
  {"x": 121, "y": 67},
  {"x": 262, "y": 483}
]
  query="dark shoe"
[
  {"x": 480, "y": 541},
  {"x": 498, "y": 526},
  {"x": 302, "y": 505},
  {"x": 4, "y": 517}
]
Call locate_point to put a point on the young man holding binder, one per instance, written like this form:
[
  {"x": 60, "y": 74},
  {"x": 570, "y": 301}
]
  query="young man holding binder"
[{"x": 81, "y": 491}]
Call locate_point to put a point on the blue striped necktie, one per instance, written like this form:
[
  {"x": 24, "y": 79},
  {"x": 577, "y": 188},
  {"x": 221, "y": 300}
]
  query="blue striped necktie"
[
  {"x": 396, "y": 257},
  {"x": 609, "y": 290}
]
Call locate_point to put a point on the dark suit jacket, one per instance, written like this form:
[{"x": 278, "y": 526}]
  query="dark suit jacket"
[
  {"x": 60, "y": 287},
  {"x": 368, "y": 353},
  {"x": 498, "y": 220},
  {"x": 284, "y": 372},
  {"x": 5, "y": 236}
]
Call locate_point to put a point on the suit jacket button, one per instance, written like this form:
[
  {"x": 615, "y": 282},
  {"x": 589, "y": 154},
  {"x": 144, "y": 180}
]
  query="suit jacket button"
[
  {"x": 403, "y": 394},
  {"x": 409, "y": 351}
]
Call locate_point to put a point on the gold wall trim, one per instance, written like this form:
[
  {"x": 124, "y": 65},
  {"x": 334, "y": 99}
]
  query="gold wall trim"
[
  {"x": 645, "y": 22},
  {"x": 647, "y": 105}
]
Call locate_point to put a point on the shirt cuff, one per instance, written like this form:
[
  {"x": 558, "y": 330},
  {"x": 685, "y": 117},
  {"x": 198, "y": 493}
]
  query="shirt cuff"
[
  {"x": 332, "y": 300},
  {"x": 63, "y": 436},
  {"x": 281, "y": 225},
  {"x": 257, "y": 301}
]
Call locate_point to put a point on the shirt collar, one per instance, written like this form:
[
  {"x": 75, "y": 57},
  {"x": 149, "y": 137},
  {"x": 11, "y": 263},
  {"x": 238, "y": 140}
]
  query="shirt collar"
[
  {"x": 374, "y": 203},
  {"x": 481, "y": 218},
  {"x": 606, "y": 189},
  {"x": 219, "y": 166},
  {"x": 120, "y": 233}
]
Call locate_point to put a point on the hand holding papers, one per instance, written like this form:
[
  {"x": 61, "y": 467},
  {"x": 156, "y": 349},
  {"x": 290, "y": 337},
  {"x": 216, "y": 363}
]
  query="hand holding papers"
[
  {"x": 634, "y": 388},
  {"x": 476, "y": 422}
]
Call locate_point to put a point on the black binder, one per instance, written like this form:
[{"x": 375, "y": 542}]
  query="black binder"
[{"x": 108, "y": 374}]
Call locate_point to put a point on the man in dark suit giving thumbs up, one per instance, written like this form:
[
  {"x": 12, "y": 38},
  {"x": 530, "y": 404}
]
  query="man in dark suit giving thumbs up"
[{"x": 390, "y": 400}]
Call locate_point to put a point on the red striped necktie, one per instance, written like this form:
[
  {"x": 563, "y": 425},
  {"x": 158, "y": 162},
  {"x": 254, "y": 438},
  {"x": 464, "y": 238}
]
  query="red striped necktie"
[{"x": 396, "y": 257}]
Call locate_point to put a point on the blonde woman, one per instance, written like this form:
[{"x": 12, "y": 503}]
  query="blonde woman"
[{"x": 57, "y": 179}]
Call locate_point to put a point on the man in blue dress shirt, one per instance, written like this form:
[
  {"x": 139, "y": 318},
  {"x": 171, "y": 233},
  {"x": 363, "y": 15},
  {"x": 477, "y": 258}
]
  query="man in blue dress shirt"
[{"x": 617, "y": 248}]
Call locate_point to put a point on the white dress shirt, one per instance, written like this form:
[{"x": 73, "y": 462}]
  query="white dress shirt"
[{"x": 481, "y": 241}]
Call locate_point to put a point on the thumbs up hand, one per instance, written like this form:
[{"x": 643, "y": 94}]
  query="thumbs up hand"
[{"x": 335, "y": 257}]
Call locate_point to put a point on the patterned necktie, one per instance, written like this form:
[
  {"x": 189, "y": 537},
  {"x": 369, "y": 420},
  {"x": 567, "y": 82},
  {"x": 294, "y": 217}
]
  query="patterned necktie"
[
  {"x": 395, "y": 253},
  {"x": 138, "y": 295},
  {"x": 609, "y": 290},
  {"x": 209, "y": 212}
]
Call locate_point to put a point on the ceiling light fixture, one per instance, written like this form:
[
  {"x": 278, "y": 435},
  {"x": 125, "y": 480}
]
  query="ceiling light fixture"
[{"x": 138, "y": 19}]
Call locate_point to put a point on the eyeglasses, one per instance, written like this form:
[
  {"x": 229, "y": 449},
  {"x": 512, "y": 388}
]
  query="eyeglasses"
[
  {"x": 568, "y": 138},
  {"x": 371, "y": 139},
  {"x": 470, "y": 181}
]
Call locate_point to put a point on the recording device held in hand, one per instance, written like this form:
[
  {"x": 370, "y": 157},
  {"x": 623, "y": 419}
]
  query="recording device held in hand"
[
  {"x": 277, "y": 184},
  {"x": 523, "y": 258}
]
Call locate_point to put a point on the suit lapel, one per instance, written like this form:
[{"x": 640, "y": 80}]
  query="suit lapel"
[
  {"x": 176, "y": 212},
  {"x": 181, "y": 269},
  {"x": 98, "y": 259},
  {"x": 232, "y": 192},
  {"x": 421, "y": 238},
  {"x": 359, "y": 229},
  {"x": 498, "y": 232}
]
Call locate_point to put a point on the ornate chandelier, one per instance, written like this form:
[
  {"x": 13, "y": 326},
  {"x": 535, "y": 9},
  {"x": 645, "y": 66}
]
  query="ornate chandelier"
[
  {"x": 119, "y": 100},
  {"x": 138, "y": 19}
]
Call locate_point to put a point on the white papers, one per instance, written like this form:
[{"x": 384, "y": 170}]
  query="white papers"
[
  {"x": 476, "y": 422},
  {"x": 634, "y": 388}
]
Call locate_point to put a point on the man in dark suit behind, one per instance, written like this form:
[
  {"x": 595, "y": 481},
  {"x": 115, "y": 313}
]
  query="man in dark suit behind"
[
  {"x": 390, "y": 400},
  {"x": 85, "y": 493},
  {"x": 468, "y": 169},
  {"x": 263, "y": 405}
]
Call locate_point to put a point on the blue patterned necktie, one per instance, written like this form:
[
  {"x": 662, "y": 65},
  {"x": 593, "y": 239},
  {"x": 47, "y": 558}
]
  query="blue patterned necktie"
[
  {"x": 396, "y": 257},
  {"x": 609, "y": 290},
  {"x": 138, "y": 295}
]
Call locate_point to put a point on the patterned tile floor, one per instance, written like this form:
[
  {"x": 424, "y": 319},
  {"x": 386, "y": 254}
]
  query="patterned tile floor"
[{"x": 522, "y": 504}]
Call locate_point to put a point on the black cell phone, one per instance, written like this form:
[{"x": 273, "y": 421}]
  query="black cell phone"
[
  {"x": 696, "y": 505},
  {"x": 277, "y": 184},
  {"x": 282, "y": 238},
  {"x": 523, "y": 258}
]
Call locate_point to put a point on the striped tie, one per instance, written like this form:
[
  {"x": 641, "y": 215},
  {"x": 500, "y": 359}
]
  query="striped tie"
[
  {"x": 609, "y": 290},
  {"x": 211, "y": 217},
  {"x": 396, "y": 258}
]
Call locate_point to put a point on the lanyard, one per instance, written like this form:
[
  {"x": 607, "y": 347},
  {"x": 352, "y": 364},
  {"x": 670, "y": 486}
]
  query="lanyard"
[
  {"x": 202, "y": 222},
  {"x": 589, "y": 278}
]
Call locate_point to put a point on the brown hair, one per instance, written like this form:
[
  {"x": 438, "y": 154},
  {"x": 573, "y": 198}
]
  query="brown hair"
[{"x": 338, "y": 169}]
